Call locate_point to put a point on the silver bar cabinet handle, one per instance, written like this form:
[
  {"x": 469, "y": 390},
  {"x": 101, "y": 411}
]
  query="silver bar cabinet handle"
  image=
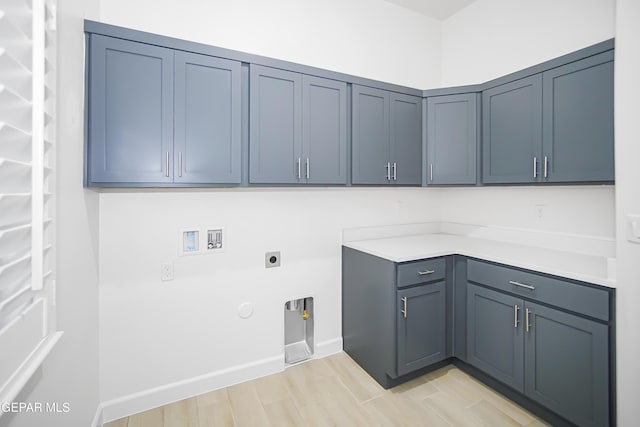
[
  {"x": 179, "y": 163},
  {"x": 388, "y": 167},
  {"x": 546, "y": 167},
  {"x": 404, "y": 305},
  {"x": 522, "y": 285},
  {"x": 424, "y": 273},
  {"x": 395, "y": 178},
  {"x": 535, "y": 167},
  {"x": 167, "y": 165},
  {"x": 431, "y": 172},
  {"x": 307, "y": 167},
  {"x": 299, "y": 160},
  {"x": 526, "y": 319},
  {"x": 515, "y": 315}
]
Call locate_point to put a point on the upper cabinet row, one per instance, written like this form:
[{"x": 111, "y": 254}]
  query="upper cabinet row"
[
  {"x": 159, "y": 117},
  {"x": 555, "y": 126}
]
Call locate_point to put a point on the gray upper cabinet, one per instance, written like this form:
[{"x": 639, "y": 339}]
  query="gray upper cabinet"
[
  {"x": 159, "y": 117},
  {"x": 207, "y": 120},
  {"x": 566, "y": 364},
  {"x": 275, "y": 126},
  {"x": 370, "y": 141},
  {"x": 421, "y": 323},
  {"x": 494, "y": 335},
  {"x": 324, "y": 131},
  {"x": 130, "y": 129},
  {"x": 386, "y": 143},
  {"x": 452, "y": 139},
  {"x": 512, "y": 131},
  {"x": 405, "y": 127},
  {"x": 578, "y": 121},
  {"x": 298, "y": 128}
]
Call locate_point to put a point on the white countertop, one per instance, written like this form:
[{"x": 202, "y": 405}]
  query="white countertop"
[{"x": 587, "y": 268}]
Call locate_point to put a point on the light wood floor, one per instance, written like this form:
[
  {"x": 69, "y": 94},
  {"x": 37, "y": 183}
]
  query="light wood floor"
[{"x": 335, "y": 391}]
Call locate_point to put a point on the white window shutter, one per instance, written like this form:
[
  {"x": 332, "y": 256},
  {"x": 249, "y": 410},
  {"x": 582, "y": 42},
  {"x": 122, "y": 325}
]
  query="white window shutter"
[{"x": 27, "y": 134}]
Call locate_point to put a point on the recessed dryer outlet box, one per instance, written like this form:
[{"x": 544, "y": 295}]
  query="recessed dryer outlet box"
[
  {"x": 189, "y": 241},
  {"x": 272, "y": 259}
]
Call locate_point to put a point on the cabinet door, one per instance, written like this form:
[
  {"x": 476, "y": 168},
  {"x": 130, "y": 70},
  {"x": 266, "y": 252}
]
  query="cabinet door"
[
  {"x": 275, "y": 134},
  {"x": 578, "y": 121},
  {"x": 206, "y": 119},
  {"x": 370, "y": 127},
  {"x": 567, "y": 365},
  {"x": 130, "y": 112},
  {"x": 421, "y": 324},
  {"x": 324, "y": 131},
  {"x": 452, "y": 139},
  {"x": 494, "y": 335},
  {"x": 512, "y": 132},
  {"x": 405, "y": 127}
]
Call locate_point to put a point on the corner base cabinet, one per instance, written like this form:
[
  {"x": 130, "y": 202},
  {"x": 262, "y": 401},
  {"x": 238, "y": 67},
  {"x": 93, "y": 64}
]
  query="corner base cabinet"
[
  {"x": 393, "y": 314},
  {"x": 543, "y": 337}
]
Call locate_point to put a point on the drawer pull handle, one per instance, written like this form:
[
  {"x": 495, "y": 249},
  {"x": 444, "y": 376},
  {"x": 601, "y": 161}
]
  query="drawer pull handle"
[
  {"x": 404, "y": 306},
  {"x": 522, "y": 285},
  {"x": 424, "y": 273}
]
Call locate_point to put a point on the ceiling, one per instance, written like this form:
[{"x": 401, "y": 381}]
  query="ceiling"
[{"x": 438, "y": 9}]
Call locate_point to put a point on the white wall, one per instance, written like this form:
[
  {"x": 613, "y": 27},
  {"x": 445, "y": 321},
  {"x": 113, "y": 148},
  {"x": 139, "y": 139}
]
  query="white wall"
[
  {"x": 154, "y": 335},
  {"x": 367, "y": 38},
  {"x": 627, "y": 202},
  {"x": 490, "y": 38},
  {"x": 70, "y": 374}
]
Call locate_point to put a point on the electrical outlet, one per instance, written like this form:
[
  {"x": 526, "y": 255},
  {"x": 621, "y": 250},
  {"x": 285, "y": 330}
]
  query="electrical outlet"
[{"x": 166, "y": 272}]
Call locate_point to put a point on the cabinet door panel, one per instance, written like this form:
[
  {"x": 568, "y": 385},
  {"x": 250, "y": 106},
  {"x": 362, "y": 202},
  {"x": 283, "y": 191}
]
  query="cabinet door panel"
[
  {"x": 370, "y": 145},
  {"x": 406, "y": 139},
  {"x": 452, "y": 139},
  {"x": 512, "y": 131},
  {"x": 207, "y": 119},
  {"x": 578, "y": 120},
  {"x": 566, "y": 360},
  {"x": 324, "y": 124},
  {"x": 494, "y": 335},
  {"x": 421, "y": 332},
  {"x": 131, "y": 112},
  {"x": 275, "y": 126}
]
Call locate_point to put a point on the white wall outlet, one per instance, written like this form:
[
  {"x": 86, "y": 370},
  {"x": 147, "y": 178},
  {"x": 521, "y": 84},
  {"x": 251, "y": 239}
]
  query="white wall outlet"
[
  {"x": 166, "y": 272},
  {"x": 633, "y": 228}
]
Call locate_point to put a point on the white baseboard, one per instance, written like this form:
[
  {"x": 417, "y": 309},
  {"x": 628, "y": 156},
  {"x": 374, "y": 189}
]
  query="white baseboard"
[
  {"x": 138, "y": 402},
  {"x": 97, "y": 419}
]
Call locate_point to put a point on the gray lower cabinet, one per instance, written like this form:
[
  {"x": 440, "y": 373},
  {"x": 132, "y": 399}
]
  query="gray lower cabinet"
[
  {"x": 393, "y": 315},
  {"x": 494, "y": 335},
  {"x": 159, "y": 117},
  {"x": 557, "y": 358},
  {"x": 578, "y": 121},
  {"x": 386, "y": 137},
  {"x": 298, "y": 128},
  {"x": 452, "y": 139},
  {"x": 421, "y": 321}
]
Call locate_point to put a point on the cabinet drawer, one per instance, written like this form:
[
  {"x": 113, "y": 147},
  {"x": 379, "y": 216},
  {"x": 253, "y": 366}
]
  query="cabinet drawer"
[
  {"x": 423, "y": 271},
  {"x": 561, "y": 293}
]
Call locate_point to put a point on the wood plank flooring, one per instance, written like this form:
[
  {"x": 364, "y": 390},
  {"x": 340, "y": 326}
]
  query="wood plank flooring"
[{"x": 335, "y": 391}]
